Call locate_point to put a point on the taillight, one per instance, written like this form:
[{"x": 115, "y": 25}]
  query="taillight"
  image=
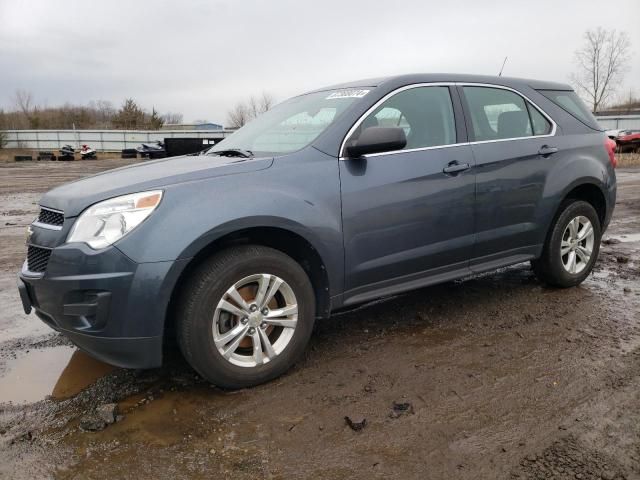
[{"x": 610, "y": 146}]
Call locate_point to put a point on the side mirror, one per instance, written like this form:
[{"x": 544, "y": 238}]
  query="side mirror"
[{"x": 376, "y": 140}]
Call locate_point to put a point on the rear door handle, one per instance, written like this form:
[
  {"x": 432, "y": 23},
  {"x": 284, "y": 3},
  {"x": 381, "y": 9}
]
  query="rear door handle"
[
  {"x": 455, "y": 167},
  {"x": 546, "y": 150}
]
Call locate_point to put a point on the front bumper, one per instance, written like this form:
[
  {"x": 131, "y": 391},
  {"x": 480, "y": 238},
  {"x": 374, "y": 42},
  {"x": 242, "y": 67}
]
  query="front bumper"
[{"x": 106, "y": 304}]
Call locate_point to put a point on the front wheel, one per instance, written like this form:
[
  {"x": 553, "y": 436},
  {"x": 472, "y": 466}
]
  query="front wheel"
[
  {"x": 572, "y": 247},
  {"x": 245, "y": 316}
]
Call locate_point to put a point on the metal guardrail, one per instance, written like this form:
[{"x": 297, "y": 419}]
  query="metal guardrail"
[{"x": 101, "y": 140}]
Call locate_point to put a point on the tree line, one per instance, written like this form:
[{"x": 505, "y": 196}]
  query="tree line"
[
  {"x": 101, "y": 114},
  {"x": 244, "y": 112}
]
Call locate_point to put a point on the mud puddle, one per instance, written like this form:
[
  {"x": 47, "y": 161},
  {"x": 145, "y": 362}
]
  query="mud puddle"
[
  {"x": 625, "y": 238},
  {"x": 59, "y": 372}
]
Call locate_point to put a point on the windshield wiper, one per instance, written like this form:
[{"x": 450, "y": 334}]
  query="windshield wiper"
[{"x": 233, "y": 152}]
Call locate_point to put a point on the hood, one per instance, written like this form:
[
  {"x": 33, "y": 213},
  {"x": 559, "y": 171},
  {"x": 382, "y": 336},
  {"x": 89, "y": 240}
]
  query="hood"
[{"x": 72, "y": 198}]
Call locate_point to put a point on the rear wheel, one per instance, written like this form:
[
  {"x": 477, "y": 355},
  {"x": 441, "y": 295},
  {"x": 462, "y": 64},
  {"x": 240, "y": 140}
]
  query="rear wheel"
[
  {"x": 245, "y": 316},
  {"x": 572, "y": 246}
]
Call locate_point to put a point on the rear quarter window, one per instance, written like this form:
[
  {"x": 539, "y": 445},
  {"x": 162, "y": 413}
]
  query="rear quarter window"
[{"x": 571, "y": 103}]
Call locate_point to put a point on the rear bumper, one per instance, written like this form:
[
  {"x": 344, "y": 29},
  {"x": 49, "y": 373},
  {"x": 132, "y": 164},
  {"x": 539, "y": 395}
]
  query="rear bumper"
[
  {"x": 106, "y": 304},
  {"x": 611, "y": 203}
]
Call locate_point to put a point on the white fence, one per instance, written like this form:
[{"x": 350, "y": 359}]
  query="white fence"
[
  {"x": 619, "y": 122},
  {"x": 102, "y": 140},
  {"x": 116, "y": 140}
]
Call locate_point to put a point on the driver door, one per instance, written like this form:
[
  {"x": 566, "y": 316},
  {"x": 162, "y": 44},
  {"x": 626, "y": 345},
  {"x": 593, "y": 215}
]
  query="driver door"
[{"x": 408, "y": 215}]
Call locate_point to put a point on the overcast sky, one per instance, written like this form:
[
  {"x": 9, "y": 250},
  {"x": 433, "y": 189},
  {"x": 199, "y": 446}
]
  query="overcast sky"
[{"x": 199, "y": 57}]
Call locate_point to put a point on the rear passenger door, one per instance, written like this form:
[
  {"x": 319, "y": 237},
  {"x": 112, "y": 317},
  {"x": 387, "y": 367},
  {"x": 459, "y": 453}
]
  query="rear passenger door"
[{"x": 513, "y": 146}]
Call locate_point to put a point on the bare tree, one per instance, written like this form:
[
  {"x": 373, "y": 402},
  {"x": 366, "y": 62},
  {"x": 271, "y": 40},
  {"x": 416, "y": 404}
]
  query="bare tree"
[
  {"x": 253, "y": 107},
  {"x": 238, "y": 116},
  {"x": 266, "y": 102},
  {"x": 104, "y": 111},
  {"x": 602, "y": 62},
  {"x": 244, "y": 112},
  {"x": 23, "y": 101},
  {"x": 172, "y": 118}
]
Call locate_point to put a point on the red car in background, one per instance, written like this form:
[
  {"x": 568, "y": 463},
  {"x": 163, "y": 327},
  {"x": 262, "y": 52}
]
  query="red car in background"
[{"x": 628, "y": 141}]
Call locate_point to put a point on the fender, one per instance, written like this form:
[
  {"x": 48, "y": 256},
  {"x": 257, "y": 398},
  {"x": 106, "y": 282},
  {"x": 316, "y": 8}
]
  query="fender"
[
  {"x": 582, "y": 167},
  {"x": 198, "y": 213}
]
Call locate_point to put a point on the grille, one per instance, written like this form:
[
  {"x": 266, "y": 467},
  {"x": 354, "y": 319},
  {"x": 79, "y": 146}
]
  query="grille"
[
  {"x": 37, "y": 259},
  {"x": 51, "y": 217}
]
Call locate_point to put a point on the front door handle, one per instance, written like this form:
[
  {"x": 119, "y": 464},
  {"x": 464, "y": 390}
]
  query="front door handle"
[
  {"x": 455, "y": 167},
  {"x": 546, "y": 150}
]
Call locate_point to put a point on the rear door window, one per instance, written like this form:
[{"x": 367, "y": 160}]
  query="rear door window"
[{"x": 497, "y": 114}]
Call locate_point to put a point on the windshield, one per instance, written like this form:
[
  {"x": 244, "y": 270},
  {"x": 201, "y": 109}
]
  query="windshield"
[{"x": 291, "y": 125}]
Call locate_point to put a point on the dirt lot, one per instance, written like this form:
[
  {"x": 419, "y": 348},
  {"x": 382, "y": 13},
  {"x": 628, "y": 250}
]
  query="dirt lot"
[{"x": 493, "y": 377}]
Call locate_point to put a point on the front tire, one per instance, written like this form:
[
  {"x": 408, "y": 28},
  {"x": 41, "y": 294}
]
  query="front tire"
[
  {"x": 245, "y": 316},
  {"x": 572, "y": 246}
]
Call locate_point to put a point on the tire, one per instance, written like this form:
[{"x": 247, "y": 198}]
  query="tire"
[
  {"x": 553, "y": 267},
  {"x": 201, "y": 317}
]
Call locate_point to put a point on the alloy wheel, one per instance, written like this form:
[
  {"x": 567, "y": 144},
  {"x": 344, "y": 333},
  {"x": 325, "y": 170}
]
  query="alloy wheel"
[
  {"x": 255, "y": 320},
  {"x": 576, "y": 247}
]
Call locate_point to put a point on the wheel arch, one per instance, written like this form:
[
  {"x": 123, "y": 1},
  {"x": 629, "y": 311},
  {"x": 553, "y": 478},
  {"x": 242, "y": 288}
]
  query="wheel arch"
[
  {"x": 586, "y": 189},
  {"x": 282, "y": 239},
  {"x": 590, "y": 192}
]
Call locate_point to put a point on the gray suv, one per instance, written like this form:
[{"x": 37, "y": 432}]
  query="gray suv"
[{"x": 332, "y": 198}]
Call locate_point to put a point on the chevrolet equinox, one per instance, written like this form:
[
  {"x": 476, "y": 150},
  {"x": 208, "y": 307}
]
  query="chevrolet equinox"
[{"x": 332, "y": 198}]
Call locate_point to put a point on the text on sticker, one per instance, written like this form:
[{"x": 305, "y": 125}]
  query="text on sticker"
[{"x": 351, "y": 93}]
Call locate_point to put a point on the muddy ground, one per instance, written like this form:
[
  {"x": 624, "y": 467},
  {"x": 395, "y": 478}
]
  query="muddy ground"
[{"x": 492, "y": 377}]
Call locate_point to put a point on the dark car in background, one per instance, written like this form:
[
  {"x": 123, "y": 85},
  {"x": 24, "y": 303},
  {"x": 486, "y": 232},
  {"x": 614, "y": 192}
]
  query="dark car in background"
[{"x": 333, "y": 198}]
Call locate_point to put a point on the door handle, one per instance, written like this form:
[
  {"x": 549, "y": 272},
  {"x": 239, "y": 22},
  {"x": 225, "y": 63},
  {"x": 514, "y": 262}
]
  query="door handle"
[
  {"x": 546, "y": 150},
  {"x": 455, "y": 167}
]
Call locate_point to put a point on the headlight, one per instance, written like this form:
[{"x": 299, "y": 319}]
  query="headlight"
[{"x": 107, "y": 222}]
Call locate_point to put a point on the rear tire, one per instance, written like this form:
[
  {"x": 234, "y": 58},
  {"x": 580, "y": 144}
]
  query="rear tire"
[
  {"x": 226, "y": 332},
  {"x": 572, "y": 246}
]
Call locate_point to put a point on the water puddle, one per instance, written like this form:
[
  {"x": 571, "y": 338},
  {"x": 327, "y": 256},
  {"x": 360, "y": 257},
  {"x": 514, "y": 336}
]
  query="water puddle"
[{"x": 57, "y": 371}]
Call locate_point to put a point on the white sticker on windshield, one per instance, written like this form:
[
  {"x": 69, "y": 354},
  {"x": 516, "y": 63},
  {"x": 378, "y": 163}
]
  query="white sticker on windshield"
[{"x": 349, "y": 93}]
